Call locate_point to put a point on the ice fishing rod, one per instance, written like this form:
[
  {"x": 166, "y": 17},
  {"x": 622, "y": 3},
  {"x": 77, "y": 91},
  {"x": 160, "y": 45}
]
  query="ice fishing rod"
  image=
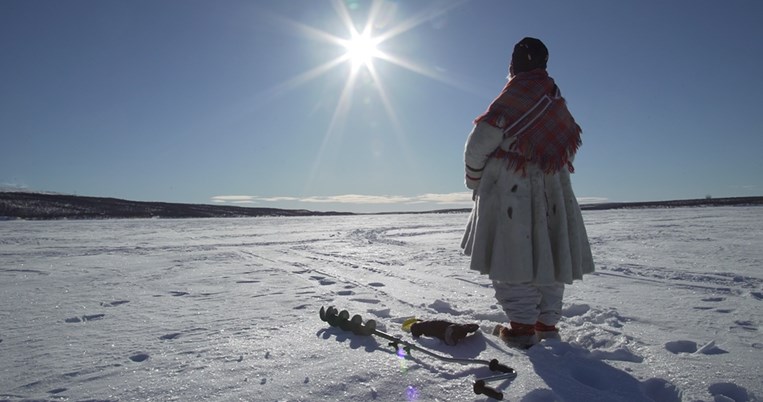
[{"x": 355, "y": 324}]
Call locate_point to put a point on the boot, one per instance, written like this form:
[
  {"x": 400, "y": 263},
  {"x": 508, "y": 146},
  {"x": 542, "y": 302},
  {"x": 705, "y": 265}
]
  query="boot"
[
  {"x": 546, "y": 331},
  {"x": 518, "y": 335}
]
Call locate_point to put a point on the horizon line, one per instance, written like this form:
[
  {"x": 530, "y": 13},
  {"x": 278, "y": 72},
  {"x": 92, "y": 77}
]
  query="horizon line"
[{"x": 453, "y": 199}]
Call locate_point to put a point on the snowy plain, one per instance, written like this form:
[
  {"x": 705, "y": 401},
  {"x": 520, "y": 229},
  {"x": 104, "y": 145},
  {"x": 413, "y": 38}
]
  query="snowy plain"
[{"x": 227, "y": 310}]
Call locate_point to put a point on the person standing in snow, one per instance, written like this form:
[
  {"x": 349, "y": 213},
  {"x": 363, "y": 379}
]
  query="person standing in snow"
[{"x": 526, "y": 230}]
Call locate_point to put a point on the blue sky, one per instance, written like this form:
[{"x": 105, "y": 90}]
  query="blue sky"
[{"x": 249, "y": 102}]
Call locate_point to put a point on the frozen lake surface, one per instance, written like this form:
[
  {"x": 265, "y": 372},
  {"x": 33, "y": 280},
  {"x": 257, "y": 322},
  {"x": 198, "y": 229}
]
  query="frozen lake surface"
[{"x": 227, "y": 309}]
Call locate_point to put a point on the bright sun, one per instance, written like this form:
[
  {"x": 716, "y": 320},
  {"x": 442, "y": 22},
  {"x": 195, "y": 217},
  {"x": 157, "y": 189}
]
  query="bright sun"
[{"x": 361, "y": 49}]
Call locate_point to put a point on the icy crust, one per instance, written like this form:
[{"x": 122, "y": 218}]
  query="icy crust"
[{"x": 228, "y": 310}]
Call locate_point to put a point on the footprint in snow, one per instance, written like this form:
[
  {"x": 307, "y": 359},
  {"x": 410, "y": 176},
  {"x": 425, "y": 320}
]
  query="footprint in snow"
[
  {"x": 114, "y": 303},
  {"x": 139, "y": 357},
  {"x": 441, "y": 306},
  {"x": 171, "y": 336},
  {"x": 677, "y": 347},
  {"x": 746, "y": 325},
  {"x": 691, "y": 347},
  {"x": 661, "y": 390},
  {"x": 714, "y": 299},
  {"x": 84, "y": 318},
  {"x": 368, "y": 301},
  {"x": 724, "y": 391}
]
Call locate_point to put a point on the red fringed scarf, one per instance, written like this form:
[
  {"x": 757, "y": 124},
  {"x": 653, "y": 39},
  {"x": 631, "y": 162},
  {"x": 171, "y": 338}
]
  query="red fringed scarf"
[{"x": 531, "y": 108}]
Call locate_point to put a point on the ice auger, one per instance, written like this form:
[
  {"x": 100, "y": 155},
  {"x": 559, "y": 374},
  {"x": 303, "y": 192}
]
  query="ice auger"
[{"x": 355, "y": 324}]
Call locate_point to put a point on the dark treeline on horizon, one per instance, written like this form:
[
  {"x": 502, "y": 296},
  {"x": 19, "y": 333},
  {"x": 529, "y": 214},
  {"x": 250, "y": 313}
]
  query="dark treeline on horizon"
[{"x": 27, "y": 205}]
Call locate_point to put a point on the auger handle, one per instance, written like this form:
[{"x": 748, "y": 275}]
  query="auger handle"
[
  {"x": 481, "y": 388},
  {"x": 496, "y": 366}
]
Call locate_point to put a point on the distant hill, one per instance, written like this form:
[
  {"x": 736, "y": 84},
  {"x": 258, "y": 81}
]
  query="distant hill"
[
  {"x": 702, "y": 202},
  {"x": 27, "y": 205}
]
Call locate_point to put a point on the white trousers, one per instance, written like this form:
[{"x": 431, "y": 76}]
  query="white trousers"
[{"x": 526, "y": 303}]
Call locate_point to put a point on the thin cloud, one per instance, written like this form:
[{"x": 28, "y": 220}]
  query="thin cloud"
[
  {"x": 592, "y": 200},
  {"x": 233, "y": 199},
  {"x": 359, "y": 199},
  {"x": 451, "y": 199},
  {"x": 463, "y": 197},
  {"x": 276, "y": 199}
]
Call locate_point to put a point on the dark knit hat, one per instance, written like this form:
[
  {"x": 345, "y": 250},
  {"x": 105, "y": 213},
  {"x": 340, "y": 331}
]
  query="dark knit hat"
[{"x": 529, "y": 54}]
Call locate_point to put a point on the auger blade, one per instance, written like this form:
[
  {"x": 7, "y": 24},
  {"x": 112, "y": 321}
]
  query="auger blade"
[{"x": 356, "y": 324}]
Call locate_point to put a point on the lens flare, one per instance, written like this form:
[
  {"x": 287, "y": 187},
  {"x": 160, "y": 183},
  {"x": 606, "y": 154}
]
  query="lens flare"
[
  {"x": 412, "y": 393},
  {"x": 401, "y": 354}
]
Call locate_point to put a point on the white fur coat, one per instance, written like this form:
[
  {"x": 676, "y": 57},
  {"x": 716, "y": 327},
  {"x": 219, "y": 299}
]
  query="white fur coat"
[{"x": 522, "y": 229}]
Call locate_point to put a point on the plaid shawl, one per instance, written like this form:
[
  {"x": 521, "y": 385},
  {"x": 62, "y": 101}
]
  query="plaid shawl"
[{"x": 531, "y": 108}]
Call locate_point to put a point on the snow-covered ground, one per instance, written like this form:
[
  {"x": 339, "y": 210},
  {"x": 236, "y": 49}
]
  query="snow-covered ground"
[{"x": 227, "y": 309}]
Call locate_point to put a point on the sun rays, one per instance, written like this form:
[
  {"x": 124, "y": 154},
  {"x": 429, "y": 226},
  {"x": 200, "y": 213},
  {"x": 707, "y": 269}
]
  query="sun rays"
[{"x": 364, "y": 44}]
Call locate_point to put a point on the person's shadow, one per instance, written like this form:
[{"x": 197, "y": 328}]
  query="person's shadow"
[{"x": 574, "y": 374}]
